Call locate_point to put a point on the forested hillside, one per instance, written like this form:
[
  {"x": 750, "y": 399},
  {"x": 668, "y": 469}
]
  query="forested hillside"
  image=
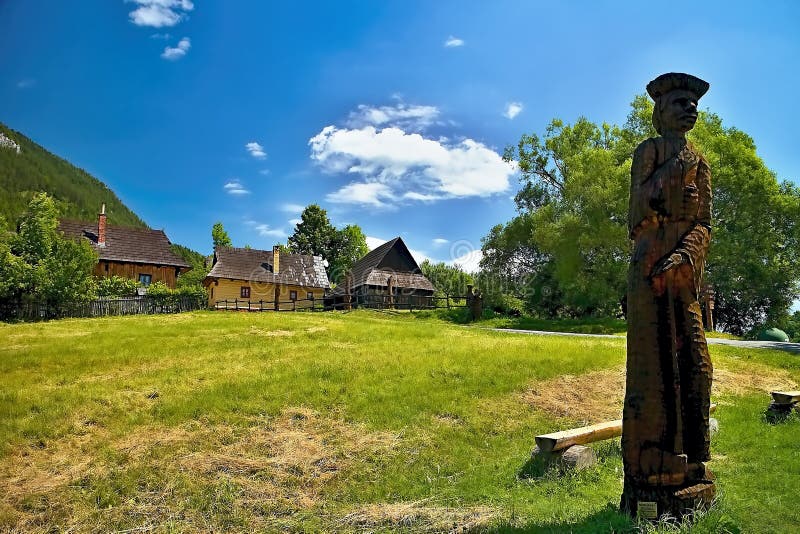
[{"x": 30, "y": 168}]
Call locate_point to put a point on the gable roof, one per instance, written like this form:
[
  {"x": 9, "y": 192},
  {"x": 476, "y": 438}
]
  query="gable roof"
[
  {"x": 390, "y": 259},
  {"x": 257, "y": 265},
  {"x": 126, "y": 244}
]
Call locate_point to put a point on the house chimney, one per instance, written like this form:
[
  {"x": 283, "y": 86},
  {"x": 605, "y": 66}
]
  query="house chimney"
[
  {"x": 101, "y": 227},
  {"x": 276, "y": 259}
]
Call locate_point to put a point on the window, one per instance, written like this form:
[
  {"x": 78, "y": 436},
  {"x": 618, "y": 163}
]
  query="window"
[
  {"x": 292, "y": 295},
  {"x": 245, "y": 292},
  {"x": 310, "y": 295},
  {"x": 145, "y": 279}
]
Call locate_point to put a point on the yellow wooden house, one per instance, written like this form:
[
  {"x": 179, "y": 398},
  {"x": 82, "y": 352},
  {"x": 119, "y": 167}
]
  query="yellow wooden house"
[{"x": 245, "y": 278}]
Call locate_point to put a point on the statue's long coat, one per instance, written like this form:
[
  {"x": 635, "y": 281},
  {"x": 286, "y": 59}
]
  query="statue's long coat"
[{"x": 668, "y": 366}]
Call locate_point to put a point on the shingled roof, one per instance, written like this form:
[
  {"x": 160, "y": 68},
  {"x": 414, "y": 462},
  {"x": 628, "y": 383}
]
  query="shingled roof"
[
  {"x": 126, "y": 244},
  {"x": 257, "y": 266},
  {"x": 377, "y": 266}
]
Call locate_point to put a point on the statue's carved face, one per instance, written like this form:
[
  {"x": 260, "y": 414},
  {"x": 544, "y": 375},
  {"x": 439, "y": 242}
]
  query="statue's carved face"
[{"x": 679, "y": 111}]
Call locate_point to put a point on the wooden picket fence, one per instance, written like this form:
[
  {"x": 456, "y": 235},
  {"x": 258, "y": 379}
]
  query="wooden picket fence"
[
  {"x": 103, "y": 306},
  {"x": 340, "y": 302}
]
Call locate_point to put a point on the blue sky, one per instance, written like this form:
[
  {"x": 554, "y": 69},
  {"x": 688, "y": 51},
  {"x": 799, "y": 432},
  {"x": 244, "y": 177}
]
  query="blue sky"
[{"x": 389, "y": 114}]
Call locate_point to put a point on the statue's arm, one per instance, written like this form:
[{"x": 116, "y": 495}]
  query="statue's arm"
[
  {"x": 644, "y": 162},
  {"x": 695, "y": 242},
  {"x": 693, "y": 246}
]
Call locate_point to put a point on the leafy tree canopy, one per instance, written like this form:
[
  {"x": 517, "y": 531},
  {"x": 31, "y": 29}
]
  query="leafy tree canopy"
[
  {"x": 315, "y": 235},
  {"x": 40, "y": 263},
  {"x": 219, "y": 236},
  {"x": 449, "y": 280},
  {"x": 566, "y": 251}
]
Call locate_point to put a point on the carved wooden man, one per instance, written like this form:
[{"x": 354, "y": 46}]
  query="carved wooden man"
[{"x": 665, "y": 432}]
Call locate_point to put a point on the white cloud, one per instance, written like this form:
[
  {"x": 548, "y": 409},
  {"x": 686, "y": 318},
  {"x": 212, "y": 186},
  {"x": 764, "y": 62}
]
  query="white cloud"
[
  {"x": 264, "y": 172},
  {"x": 453, "y": 42},
  {"x": 161, "y": 36},
  {"x": 235, "y": 187},
  {"x": 256, "y": 150},
  {"x": 513, "y": 109},
  {"x": 177, "y": 52},
  {"x": 403, "y": 116},
  {"x": 368, "y": 193},
  {"x": 295, "y": 222},
  {"x": 422, "y": 197},
  {"x": 292, "y": 208},
  {"x": 26, "y": 83},
  {"x": 159, "y": 13},
  {"x": 469, "y": 261},
  {"x": 267, "y": 231},
  {"x": 396, "y": 165},
  {"x": 374, "y": 242},
  {"x": 439, "y": 241}
]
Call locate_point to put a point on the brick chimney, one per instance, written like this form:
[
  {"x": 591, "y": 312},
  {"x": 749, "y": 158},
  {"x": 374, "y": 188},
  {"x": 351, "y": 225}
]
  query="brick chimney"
[
  {"x": 276, "y": 259},
  {"x": 101, "y": 227}
]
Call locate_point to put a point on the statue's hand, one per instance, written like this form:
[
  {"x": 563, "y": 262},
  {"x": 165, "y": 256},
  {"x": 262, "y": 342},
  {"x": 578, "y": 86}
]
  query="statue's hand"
[{"x": 668, "y": 263}]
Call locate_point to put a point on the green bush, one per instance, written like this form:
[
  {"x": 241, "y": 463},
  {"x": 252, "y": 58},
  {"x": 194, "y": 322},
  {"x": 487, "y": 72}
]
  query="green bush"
[
  {"x": 116, "y": 286},
  {"x": 164, "y": 296}
]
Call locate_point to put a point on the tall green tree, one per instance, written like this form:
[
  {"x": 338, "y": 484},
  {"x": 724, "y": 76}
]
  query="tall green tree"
[
  {"x": 195, "y": 276},
  {"x": 449, "y": 280},
  {"x": 40, "y": 263},
  {"x": 219, "y": 236},
  {"x": 315, "y": 235},
  {"x": 348, "y": 245},
  {"x": 573, "y": 207},
  {"x": 570, "y": 237}
]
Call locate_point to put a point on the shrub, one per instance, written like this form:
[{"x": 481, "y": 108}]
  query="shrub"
[{"x": 116, "y": 286}]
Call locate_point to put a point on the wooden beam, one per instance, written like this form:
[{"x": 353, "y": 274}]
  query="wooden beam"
[
  {"x": 786, "y": 397},
  {"x": 583, "y": 435},
  {"x": 579, "y": 436}
]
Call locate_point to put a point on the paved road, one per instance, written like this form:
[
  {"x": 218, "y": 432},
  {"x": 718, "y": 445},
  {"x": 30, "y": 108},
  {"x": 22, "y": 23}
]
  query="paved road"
[{"x": 789, "y": 347}]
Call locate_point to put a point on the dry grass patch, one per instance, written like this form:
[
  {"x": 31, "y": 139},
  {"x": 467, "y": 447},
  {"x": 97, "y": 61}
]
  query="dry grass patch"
[
  {"x": 598, "y": 396},
  {"x": 45, "y": 467},
  {"x": 255, "y": 331},
  {"x": 742, "y": 383},
  {"x": 255, "y": 474},
  {"x": 589, "y": 398},
  {"x": 418, "y": 517}
]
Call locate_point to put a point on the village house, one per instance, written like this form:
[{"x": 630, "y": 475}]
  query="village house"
[
  {"x": 266, "y": 279},
  {"x": 387, "y": 276},
  {"x": 141, "y": 254}
]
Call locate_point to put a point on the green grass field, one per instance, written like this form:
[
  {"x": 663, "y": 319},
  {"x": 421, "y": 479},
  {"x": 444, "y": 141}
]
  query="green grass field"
[{"x": 362, "y": 421}]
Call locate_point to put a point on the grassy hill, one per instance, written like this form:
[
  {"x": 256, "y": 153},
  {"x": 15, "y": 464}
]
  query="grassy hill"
[
  {"x": 78, "y": 194},
  {"x": 347, "y": 422}
]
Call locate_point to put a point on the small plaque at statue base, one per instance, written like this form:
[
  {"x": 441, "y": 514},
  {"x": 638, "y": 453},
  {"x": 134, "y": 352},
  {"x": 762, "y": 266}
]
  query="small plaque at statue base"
[
  {"x": 656, "y": 502},
  {"x": 648, "y": 510}
]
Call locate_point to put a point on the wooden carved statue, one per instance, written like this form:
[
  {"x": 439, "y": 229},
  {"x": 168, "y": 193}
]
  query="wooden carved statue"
[{"x": 665, "y": 430}]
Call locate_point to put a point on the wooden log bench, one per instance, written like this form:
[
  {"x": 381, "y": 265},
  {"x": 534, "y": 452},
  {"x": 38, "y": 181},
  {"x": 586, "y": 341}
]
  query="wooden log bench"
[
  {"x": 568, "y": 447},
  {"x": 783, "y": 402}
]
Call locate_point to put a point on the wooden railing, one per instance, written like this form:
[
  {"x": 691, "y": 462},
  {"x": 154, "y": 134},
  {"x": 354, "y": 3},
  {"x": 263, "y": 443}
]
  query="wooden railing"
[
  {"x": 103, "y": 306},
  {"x": 342, "y": 302}
]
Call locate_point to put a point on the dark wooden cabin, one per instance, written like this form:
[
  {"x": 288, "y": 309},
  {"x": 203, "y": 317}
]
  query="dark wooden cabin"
[{"x": 387, "y": 271}]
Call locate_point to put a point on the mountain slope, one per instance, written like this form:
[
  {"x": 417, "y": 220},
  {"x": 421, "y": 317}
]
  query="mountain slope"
[{"x": 27, "y": 168}]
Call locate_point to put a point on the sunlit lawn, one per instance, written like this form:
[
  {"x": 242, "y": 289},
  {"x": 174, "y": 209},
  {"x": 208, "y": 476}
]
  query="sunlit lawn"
[{"x": 342, "y": 422}]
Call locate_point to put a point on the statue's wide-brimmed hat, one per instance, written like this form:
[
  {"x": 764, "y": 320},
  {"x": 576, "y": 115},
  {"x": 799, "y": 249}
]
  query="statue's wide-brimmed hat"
[{"x": 677, "y": 80}]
